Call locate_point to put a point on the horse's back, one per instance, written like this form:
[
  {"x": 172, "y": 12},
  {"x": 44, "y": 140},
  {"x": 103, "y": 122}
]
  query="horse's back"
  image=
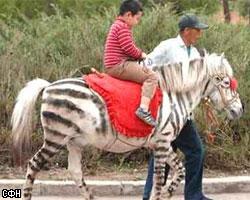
[{"x": 70, "y": 107}]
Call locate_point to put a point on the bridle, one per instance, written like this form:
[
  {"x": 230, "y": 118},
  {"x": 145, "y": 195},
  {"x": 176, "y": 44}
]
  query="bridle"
[
  {"x": 208, "y": 109},
  {"x": 221, "y": 86}
]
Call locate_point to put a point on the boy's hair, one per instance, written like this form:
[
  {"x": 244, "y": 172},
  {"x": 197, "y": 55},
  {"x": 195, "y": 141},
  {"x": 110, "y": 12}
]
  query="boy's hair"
[{"x": 133, "y": 6}]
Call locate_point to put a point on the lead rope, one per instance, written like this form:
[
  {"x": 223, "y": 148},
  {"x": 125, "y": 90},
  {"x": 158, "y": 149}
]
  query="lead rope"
[{"x": 210, "y": 119}]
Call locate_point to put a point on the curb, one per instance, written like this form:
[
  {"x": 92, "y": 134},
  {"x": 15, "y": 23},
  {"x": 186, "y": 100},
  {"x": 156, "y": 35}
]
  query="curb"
[{"x": 236, "y": 184}]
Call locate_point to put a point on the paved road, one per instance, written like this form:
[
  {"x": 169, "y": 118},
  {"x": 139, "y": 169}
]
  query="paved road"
[{"x": 235, "y": 196}]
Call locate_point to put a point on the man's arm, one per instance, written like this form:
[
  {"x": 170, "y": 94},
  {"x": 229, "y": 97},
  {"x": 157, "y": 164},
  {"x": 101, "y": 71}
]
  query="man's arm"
[{"x": 158, "y": 56}]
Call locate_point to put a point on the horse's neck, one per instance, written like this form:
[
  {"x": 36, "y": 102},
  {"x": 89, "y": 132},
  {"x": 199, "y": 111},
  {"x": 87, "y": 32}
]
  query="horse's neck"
[
  {"x": 189, "y": 99},
  {"x": 180, "y": 100},
  {"x": 182, "y": 103}
]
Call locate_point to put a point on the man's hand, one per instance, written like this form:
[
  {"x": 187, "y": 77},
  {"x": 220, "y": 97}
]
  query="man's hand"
[{"x": 143, "y": 55}]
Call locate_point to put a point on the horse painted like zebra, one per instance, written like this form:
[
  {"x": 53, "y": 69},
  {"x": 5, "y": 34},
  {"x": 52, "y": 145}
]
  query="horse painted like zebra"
[{"x": 74, "y": 115}]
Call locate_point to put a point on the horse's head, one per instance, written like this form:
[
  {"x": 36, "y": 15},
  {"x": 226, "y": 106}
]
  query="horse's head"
[{"x": 221, "y": 88}]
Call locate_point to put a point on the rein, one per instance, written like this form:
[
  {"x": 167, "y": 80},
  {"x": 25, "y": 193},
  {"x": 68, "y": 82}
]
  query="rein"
[
  {"x": 225, "y": 102},
  {"x": 220, "y": 85},
  {"x": 210, "y": 119},
  {"x": 208, "y": 109}
]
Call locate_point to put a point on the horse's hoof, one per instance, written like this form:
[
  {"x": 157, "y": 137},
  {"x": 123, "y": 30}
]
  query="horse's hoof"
[
  {"x": 91, "y": 197},
  {"x": 167, "y": 195}
]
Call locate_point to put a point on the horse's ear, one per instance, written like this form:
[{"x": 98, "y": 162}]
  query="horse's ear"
[
  {"x": 203, "y": 52},
  {"x": 222, "y": 57}
]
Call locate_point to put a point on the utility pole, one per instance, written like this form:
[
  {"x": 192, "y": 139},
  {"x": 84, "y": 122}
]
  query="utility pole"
[
  {"x": 227, "y": 16},
  {"x": 248, "y": 15}
]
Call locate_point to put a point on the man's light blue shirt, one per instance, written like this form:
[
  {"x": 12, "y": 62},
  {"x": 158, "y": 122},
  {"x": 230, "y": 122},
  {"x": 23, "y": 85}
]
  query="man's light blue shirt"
[{"x": 170, "y": 51}]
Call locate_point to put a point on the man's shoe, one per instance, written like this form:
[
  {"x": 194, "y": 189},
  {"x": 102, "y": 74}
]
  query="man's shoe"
[
  {"x": 145, "y": 116},
  {"x": 205, "y": 198},
  {"x": 145, "y": 198}
]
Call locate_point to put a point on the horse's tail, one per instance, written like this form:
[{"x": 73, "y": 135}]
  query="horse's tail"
[{"x": 21, "y": 119}]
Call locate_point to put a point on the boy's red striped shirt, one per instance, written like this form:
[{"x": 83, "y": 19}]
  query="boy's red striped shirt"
[{"x": 120, "y": 45}]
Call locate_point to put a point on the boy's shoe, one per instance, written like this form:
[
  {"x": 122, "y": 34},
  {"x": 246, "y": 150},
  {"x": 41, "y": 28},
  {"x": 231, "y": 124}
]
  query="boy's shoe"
[{"x": 145, "y": 116}]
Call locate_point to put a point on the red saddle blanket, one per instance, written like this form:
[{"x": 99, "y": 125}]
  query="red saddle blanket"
[{"x": 122, "y": 98}]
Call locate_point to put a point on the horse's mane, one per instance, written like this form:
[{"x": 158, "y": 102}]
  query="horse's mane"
[
  {"x": 198, "y": 71},
  {"x": 173, "y": 76},
  {"x": 218, "y": 65}
]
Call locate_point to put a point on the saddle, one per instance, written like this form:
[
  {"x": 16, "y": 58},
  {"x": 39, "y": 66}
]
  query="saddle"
[{"x": 122, "y": 98}]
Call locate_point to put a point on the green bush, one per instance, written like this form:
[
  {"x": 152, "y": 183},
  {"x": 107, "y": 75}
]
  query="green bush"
[
  {"x": 244, "y": 7},
  {"x": 31, "y": 9},
  {"x": 182, "y": 6}
]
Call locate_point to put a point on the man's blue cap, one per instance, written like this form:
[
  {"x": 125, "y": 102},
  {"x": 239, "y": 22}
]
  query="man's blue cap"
[{"x": 191, "y": 21}]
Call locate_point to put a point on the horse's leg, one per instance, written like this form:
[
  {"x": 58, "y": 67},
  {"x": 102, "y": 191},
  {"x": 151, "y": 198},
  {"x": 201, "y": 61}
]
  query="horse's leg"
[
  {"x": 178, "y": 171},
  {"x": 75, "y": 169},
  {"x": 165, "y": 154},
  {"x": 160, "y": 157},
  {"x": 36, "y": 163},
  {"x": 34, "y": 166}
]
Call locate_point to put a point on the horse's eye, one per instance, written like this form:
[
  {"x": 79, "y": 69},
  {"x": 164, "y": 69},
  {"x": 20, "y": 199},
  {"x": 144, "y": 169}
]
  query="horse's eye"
[
  {"x": 226, "y": 82},
  {"x": 217, "y": 79}
]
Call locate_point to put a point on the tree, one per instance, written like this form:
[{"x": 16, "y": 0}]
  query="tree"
[{"x": 227, "y": 16}]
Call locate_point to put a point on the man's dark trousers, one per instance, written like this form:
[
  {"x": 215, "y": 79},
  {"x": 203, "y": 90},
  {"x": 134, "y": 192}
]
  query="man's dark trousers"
[{"x": 190, "y": 144}]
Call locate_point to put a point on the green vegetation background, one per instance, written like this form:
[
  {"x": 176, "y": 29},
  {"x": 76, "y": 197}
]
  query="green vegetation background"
[{"x": 56, "y": 39}]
